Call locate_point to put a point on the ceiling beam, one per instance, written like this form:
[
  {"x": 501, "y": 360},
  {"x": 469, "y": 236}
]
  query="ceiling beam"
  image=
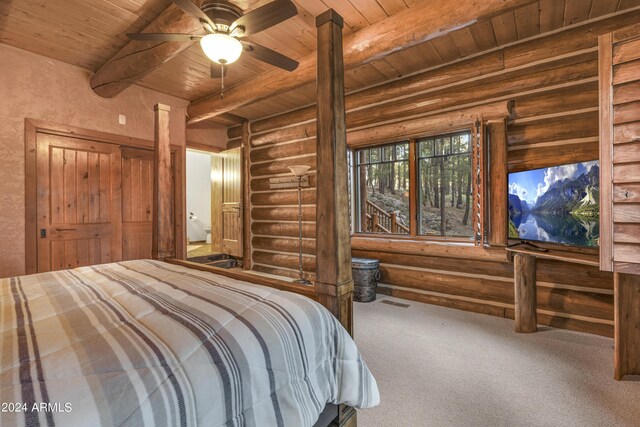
[
  {"x": 425, "y": 21},
  {"x": 137, "y": 59}
]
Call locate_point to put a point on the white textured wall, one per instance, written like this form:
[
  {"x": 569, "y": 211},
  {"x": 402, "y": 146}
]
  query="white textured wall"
[{"x": 198, "y": 193}]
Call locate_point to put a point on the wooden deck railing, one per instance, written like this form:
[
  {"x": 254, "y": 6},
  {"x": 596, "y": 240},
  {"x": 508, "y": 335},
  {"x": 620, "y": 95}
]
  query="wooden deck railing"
[{"x": 380, "y": 221}]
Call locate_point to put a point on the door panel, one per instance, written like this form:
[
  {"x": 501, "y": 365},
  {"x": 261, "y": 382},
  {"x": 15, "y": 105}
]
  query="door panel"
[
  {"x": 137, "y": 203},
  {"x": 79, "y": 208},
  {"x": 232, "y": 202}
]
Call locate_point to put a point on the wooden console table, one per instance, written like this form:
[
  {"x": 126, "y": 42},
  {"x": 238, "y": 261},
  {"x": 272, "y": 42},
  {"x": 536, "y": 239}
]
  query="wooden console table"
[{"x": 524, "y": 270}]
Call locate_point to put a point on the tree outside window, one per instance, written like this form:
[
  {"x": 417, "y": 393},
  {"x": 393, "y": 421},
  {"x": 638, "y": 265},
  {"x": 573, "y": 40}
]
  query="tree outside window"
[{"x": 444, "y": 185}]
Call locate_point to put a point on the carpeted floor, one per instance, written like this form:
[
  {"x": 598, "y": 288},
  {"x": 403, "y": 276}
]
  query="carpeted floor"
[{"x": 442, "y": 367}]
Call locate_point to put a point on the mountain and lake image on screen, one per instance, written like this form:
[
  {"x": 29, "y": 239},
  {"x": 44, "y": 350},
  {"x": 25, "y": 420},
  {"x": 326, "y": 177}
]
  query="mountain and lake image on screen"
[{"x": 559, "y": 204}]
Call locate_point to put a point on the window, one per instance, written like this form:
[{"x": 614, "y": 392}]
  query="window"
[
  {"x": 434, "y": 189},
  {"x": 444, "y": 185},
  {"x": 383, "y": 189}
]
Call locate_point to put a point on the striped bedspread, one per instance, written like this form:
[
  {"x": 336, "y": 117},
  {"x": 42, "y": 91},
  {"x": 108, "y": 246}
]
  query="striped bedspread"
[{"x": 150, "y": 343}]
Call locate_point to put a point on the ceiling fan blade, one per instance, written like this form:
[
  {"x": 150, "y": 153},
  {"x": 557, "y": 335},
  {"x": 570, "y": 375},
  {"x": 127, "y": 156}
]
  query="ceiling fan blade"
[
  {"x": 269, "y": 56},
  {"x": 265, "y": 16},
  {"x": 190, "y": 8},
  {"x": 217, "y": 70},
  {"x": 162, "y": 37}
]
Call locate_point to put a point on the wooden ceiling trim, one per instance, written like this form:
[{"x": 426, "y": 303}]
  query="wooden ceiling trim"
[{"x": 367, "y": 45}]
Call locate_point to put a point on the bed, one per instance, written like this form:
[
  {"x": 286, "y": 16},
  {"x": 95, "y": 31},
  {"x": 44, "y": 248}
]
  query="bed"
[{"x": 146, "y": 342}]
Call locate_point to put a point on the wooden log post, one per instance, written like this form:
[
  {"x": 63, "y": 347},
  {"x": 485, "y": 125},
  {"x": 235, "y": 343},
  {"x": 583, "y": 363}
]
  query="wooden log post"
[
  {"x": 525, "y": 293},
  {"x": 394, "y": 222},
  {"x": 627, "y": 325},
  {"x": 375, "y": 222},
  {"x": 163, "y": 220},
  {"x": 498, "y": 191},
  {"x": 334, "y": 282}
]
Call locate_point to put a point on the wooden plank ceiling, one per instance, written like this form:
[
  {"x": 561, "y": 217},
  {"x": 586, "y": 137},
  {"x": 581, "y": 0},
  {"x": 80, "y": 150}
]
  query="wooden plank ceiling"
[{"x": 89, "y": 33}]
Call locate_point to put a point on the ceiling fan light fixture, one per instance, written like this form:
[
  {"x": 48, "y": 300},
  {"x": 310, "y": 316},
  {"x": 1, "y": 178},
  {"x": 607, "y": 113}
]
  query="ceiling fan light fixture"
[{"x": 221, "y": 48}]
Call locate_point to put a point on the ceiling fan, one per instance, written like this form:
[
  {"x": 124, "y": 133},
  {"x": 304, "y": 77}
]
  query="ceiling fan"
[{"x": 227, "y": 26}]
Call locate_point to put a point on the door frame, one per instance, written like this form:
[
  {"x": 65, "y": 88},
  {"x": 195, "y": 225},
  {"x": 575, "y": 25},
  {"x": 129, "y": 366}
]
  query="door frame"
[{"x": 31, "y": 129}]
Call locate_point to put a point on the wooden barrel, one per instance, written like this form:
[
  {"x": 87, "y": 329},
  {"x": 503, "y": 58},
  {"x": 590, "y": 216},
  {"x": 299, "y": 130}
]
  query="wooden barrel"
[{"x": 366, "y": 274}]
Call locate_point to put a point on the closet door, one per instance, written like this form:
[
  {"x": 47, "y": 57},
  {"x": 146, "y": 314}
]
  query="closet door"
[
  {"x": 137, "y": 203},
  {"x": 79, "y": 202}
]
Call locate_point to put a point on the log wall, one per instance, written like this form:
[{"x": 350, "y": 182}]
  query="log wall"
[{"x": 553, "y": 83}]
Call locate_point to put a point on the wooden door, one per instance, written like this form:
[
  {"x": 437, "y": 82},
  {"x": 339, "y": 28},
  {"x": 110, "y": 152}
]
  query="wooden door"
[
  {"x": 78, "y": 202},
  {"x": 137, "y": 203},
  {"x": 232, "y": 202}
]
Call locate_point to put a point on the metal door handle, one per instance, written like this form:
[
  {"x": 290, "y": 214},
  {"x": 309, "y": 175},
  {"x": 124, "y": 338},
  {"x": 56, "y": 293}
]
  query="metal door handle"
[{"x": 65, "y": 229}]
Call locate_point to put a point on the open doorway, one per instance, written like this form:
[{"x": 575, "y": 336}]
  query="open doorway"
[
  {"x": 199, "y": 181},
  {"x": 214, "y": 207}
]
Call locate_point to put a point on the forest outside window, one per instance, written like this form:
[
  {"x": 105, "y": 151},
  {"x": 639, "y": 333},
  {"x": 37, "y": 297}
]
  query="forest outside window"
[
  {"x": 383, "y": 189},
  {"x": 444, "y": 185},
  {"x": 416, "y": 188}
]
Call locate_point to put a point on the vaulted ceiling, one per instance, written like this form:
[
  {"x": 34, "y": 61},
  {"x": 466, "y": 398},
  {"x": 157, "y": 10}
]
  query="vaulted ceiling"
[{"x": 89, "y": 33}]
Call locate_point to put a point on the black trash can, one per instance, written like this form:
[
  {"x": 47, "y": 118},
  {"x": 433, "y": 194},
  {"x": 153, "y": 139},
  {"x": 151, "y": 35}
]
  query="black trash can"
[{"x": 366, "y": 273}]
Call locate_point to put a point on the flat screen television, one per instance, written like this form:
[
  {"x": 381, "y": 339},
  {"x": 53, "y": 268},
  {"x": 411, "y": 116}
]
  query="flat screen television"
[{"x": 559, "y": 204}]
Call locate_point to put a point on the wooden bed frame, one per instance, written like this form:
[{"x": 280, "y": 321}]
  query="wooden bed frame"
[{"x": 334, "y": 284}]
